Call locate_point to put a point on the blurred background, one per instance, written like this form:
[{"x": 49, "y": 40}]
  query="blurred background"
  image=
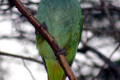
[{"x": 98, "y": 55}]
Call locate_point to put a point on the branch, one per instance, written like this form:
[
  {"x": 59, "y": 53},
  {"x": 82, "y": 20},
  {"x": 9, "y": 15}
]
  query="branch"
[
  {"x": 28, "y": 70},
  {"x": 112, "y": 65},
  {"x": 94, "y": 8},
  {"x": 103, "y": 4},
  {"x": 21, "y": 37},
  {"x": 20, "y": 57},
  {"x": 61, "y": 58},
  {"x": 106, "y": 63},
  {"x": 99, "y": 8},
  {"x": 105, "y": 7},
  {"x": 106, "y": 32}
]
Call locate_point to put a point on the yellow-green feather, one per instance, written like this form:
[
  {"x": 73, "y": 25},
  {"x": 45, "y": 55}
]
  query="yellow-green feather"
[{"x": 53, "y": 67}]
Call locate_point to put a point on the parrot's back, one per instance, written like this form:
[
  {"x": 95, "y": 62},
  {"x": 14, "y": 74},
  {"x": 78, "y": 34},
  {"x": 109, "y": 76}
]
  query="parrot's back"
[{"x": 63, "y": 19}]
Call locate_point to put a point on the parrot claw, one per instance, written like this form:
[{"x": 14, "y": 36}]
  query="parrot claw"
[
  {"x": 36, "y": 32},
  {"x": 42, "y": 25},
  {"x": 61, "y": 51}
]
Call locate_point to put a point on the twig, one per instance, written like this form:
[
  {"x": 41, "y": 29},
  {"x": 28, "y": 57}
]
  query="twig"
[
  {"x": 111, "y": 64},
  {"x": 99, "y": 8},
  {"x": 84, "y": 9},
  {"x": 21, "y": 37},
  {"x": 28, "y": 70},
  {"x": 106, "y": 62},
  {"x": 114, "y": 51},
  {"x": 61, "y": 58},
  {"x": 106, "y": 32},
  {"x": 20, "y": 57},
  {"x": 110, "y": 19}
]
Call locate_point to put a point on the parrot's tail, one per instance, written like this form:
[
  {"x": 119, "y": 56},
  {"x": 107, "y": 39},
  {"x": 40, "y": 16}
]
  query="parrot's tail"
[{"x": 54, "y": 70}]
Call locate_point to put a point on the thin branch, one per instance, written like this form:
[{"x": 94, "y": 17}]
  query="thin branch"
[
  {"x": 103, "y": 4},
  {"x": 106, "y": 32},
  {"x": 114, "y": 51},
  {"x": 20, "y": 57},
  {"x": 99, "y": 8},
  {"x": 106, "y": 9},
  {"x": 84, "y": 9},
  {"x": 61, "y": 58},
  {"x": 21, "y": 37},
  {"x": 111, "y": 64},
  {"x": 28, "y": 70},
  {"x": 106, "y": 62}
]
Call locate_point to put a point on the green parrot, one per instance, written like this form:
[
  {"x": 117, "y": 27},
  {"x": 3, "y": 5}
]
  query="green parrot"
[{"x": 63, "y": 20}]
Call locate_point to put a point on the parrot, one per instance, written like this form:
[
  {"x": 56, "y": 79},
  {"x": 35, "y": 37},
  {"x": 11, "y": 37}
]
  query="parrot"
[{"x": 64, "y": 22}]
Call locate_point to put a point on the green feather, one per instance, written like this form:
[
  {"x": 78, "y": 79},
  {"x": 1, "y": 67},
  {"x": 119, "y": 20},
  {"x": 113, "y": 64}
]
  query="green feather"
[{"x": 63, "y": 19}]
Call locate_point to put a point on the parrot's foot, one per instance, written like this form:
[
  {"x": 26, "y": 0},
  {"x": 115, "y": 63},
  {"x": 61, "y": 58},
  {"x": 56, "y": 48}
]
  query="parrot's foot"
[
  {"x": 42, "y": 25},
  {"x": 61, "y": 51}
]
